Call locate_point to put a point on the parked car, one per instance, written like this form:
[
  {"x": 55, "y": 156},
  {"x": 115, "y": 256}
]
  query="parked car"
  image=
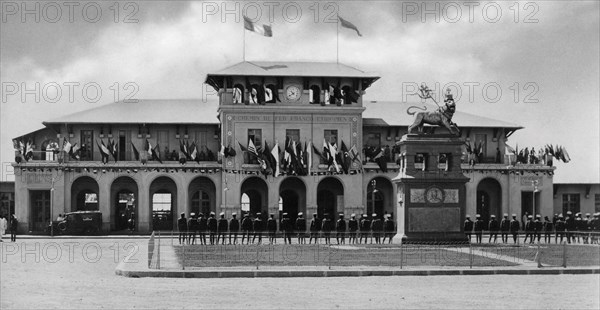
[{"x": 80, "y": 222}]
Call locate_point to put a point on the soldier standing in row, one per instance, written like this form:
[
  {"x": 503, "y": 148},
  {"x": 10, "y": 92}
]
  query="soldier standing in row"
[
  {"x": 478, "y": 228},
  {"x": 365, "y": 229},
  {"x": 234, "y": 228},
  {"x": 340, "y": 228},
  {"x": 221, "y": 228},
  {"x": 301, "y": 228},
  {"x": 514, "y": 228},
  {"x": 286, "y": 227},
  {"x": 548, "y": 227},
  {"x": 272, "y": 228},
  {"x": 246, "y": 228},
  {"x": 352, "y": 229},
  {"x": 193, "y": 228},
  {"x": 468, "y": 227},
  {"x": 493, "y": 226},
  {"x": 315, "y": 225},
  {"x": 529, "y": 229},
  {"x": 389, "y": 228},
  {"x": 560, "y": 229},
  {"x": 538, "y": 226},
  {"x": 212, "y": 228},
  {"x": 202, "y": 227},
  {"x": 504, "y": 228},
  {"x": 258, "y": 228},
  {"x": 569, "y": 226},
  {"x": 182, "y": 226},
  {"x": 326, "y": 228},
  {"x": 376, "y": 228}
]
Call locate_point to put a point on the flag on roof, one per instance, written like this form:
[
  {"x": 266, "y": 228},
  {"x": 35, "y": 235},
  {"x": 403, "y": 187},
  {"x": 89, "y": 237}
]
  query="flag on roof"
[
  {"x": 263, "y": 30},
  {"x": 349, "y": 25},
  {"x": 308, "y": 155},
  {"x": 275, "y": 154}
]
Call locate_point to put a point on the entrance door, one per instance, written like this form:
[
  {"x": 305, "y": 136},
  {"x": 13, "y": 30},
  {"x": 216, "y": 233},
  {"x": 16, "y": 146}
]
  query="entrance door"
[
  {"x": 40, "y": 209},
  {"x": 162, "y": 211},
  {"x": 483, "y": 205},
  {"x": 527, "y": 203},
  {"x": 326, "y": 203},
  {"x": 124, "y": 210}
]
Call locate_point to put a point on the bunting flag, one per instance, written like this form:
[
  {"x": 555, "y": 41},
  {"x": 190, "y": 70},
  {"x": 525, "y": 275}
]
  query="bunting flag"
[
  {"x": 155, "y": 154},
  {"x": 252, "y": 148},
  {"x": 66, "y": 145},
  {"x": 194, "y": 152},
  {"x": 136, "y": 154},
  {"x": 222, "y": 152},
  {"x": 112, "y": 147},
  {"x": 103, "y": 151},
  {"x": 349, "y": 25},
  {"x": 183, "y": 148},
  {"x": 566, "y": 157},
  {"x": 263, "y": 30},
  {"x": 28, "y": 153},
  {"x": 275, "y": 155},
  {"x": 243, "y": 148},
  {"x": 148, "y": 148},
  {"x": 318, "y": 153},
  {"x": 332, "y": 153},
  {"x": 380, "y": 160},
  {"x": 354, "y": 154},
  {"x": 308, "y": 155},
  {"x": 75, "y": 151},
  {"x": 230, "y": 152},
  {"x": 346, "y": 161},
  {"x": 509, "y": 148}
]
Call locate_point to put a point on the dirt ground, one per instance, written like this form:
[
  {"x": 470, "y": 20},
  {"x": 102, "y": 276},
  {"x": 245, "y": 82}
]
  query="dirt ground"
[{"x": 79, "y": 274}]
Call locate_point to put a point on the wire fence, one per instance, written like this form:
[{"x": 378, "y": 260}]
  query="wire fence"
[{"x": 169, "y": 250}]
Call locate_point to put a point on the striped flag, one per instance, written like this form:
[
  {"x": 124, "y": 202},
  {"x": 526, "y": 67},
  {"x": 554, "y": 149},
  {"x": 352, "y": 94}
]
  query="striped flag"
[
  {"x": 275, "y": 154},
  {"x": 252, "y": 148},
  {"x": 263, "y": 30}
]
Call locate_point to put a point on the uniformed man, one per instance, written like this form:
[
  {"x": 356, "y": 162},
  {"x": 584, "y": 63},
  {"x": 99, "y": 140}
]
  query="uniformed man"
[
  {"x": 468, "y": 227},
  {"x": 315, "y": 226},
  {"x": 478, "y": 227},
  {"x": 493, "y": 226},
  {"x": 538, "y": 227},
  {"x": 222, "y": 228},
  {"x": 326, "y": 228},
  {"x": 352, "y": 229},
  {"x": 388, "y": 227},
  {"x": 234, "y": 228},
  {"x": 587, "y": 228},
  {"x": 569, "y": 226},
  {"x": 287, "y": 229},
  {"x": 595, "y": 224},
  {"x": 514, "y": 228},
  {"x": 272, "y": 228},
  {"x": 504, "y": 228},
  {"x": 212, "y": 229},
  {"x": 560, "y": 229},
  {"x": 340, "y": 228},
  {"x": 192, "y": 228},
  {"x": 548, "y": 227},
  {"x": 529, "y": 229},
  {"x": 202, "y": 227},
  {"x": 258, "y": 227},
  {"x": 246, "y": 228},
  {"x": 182, "y": 227},
  {"x": 365, "y": 229},
  {"x": 377, "y": 228},
  {"x": 301, "y": 228}
]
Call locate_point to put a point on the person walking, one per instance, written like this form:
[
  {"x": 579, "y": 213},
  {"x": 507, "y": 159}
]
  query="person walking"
[
  {"x": 182, "y": 227},
  {"x": 14, "y": 224}
]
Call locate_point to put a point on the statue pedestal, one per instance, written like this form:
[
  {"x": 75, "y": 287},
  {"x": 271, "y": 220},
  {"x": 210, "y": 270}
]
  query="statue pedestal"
[{"x": 431, "y": 189}]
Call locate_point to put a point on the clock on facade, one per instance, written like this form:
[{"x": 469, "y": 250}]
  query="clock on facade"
[
  {"x": 292, "y": 93},
  {"x": 434, "y": 195}
]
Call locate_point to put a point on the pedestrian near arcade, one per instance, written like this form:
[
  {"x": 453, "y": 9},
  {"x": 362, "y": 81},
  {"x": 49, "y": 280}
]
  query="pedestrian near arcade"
[
  {"x": 538, "y": 226},
  {"x": 478, "y": 227},
  {"x": 365, "y": 229},
  {"x": 258, "y": 227},
  {"x": 376, "y": 228},
  {"x": 340, "y": 228},
  {"x": 326, "y": 228},
  {"x": 548, "y": 227},
  {"x": 468, "y": 227},
  {"x": 14, "y": 224},
  {"x": 202, "y": 227},
  {"x": 212, "y": 229},
  {"x": 389, "y": 227},
  {"x": 504, "y": 228},
  {"x": 560, "y": 229},
  {"x": 352, "y": 229},
  {"x": 287, "y": 228},
  {"x": 234, "y": 228},
  {"x": 3, "y": 226},
  {"x": 246, "y": 228},
  {"x": 193, "y": 228},
  {"x": 272, "y": 228},
  {"x": 315, "y": 226},
  {"x": 301, "y": 228},
  {"x": 182, "y": 227},
  {"x": 494, "y": 226},
  {"x": 222, "y": 228},
  {"x": 529, "y": 229},
  {"x": 514, "y": 228}
]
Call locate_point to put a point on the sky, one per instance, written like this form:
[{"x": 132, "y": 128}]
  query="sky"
[{"x": 534, "y": 63}]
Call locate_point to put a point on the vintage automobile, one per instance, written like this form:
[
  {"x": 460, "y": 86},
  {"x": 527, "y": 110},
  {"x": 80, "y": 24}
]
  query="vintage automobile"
[{"x": 80, "y": 222}]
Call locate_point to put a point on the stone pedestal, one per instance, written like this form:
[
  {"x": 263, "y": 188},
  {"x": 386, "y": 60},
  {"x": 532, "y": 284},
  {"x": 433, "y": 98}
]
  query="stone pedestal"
[{"x": 431, "y": 189}]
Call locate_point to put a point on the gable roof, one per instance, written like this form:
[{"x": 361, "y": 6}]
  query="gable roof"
[
  {"x": 290, "y": 68},
  {"x": 394, "y": 114},
  {"x": 147, "y": 111}
]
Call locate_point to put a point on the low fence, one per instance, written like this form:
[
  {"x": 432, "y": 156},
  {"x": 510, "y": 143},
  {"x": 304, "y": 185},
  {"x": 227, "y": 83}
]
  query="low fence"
[{"x": 168, "y": 253}]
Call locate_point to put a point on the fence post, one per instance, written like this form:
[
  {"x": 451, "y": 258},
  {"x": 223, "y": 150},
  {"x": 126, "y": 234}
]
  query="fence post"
[
  {"x": 329, "y": 254},
  {"x": 564, "y": 254},
  {"x": 401, "y": 254},
  {"x": 183, "y": 264},
  {"x": 158, "y": 253},
  {"x": 171, "y": 238},
  {"x": 470, "y": 256},
  {"x": 538, "y": 256},
  {"x": 257, "y": 257}
]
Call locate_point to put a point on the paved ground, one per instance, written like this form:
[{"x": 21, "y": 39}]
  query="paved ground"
[{"x": 83, "y": 278}]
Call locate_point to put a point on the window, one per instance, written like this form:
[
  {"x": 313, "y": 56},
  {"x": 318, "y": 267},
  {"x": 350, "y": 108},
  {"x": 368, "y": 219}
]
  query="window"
[
  {"x": 443, "y": 160},
  {"x": 596, "y": 203},
  {"x": 331, "y": 136},
  {"x": 201, "y": 202},
  {"x": 420, "y": 161},
  {"x": 87, "y": 145},
  {"x": 315, "y": 94},
  {"x": 7, "y": 203},
  {"x": 373, "y": 139},
  {"x": 293, "y": 134},
  {"x": 570, "y": 203},
  {"x": 123, "y": 150}
]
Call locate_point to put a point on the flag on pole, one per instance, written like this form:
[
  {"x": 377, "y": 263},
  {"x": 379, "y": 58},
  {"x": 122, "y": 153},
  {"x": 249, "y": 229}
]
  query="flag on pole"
[
  {"x": 332, "y": 153},
  {"x": 136, "y": 154},
  {"x": 75, "y": 151},
  {"x": 66, "y": 145},
  {"x": 349, "y": 25},
  {"x": 263, "y": 30},
  {"x": 275, "y": 154},
  {"x": 252, "y": 148},
  {"x": 308, "y": 154},
  {"x": 103, "y": 151}
]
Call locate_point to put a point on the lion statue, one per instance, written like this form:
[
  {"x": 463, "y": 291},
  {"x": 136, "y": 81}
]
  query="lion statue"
[{"x": 441, "y": 117}]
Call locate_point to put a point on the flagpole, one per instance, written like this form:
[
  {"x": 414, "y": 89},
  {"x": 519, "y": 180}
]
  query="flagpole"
[
  {"x": 244, "y": 55},
  {"x": 337, "y": 39}
]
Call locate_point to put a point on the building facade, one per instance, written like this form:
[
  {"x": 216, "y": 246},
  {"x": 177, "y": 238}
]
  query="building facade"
[{"x": 290, "y": 110}]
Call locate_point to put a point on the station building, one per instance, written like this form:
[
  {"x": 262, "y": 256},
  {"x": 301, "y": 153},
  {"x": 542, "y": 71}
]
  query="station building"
[{"x": 269, "y": 104}]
